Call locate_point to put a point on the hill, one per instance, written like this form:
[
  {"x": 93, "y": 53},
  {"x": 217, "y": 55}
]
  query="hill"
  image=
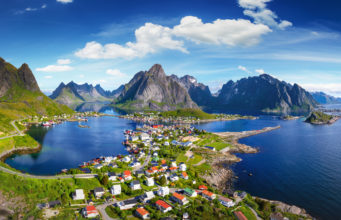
[
  {"x": 323, "y": 98},
  {"x": 20, "y": 97},
  {"x": 153, "y": 90},
  {"x": 319, "y": 118}
]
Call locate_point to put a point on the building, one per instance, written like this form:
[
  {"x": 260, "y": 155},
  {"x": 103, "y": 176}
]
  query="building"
[
  {"x": 150, "y": 181},
  {"x": 134, "y": 138},
  {"x": 139, "y": 173},
  {"x": 144, "y": 136},
  {"x": 53, "y": 204},
  {"x": 182, "y": 200},
  {"x": 78, "y": 195},
  {"x": 190, "y": 192},
  {"x": 163, "y": 206},
  {"x": 182, "y": 167},
  {"x": 127, "y": 204},
  {"x": 127, "y": 175},
  {"x": 98, "y": 166},
  {"x": 184, "y": 175},
  {"x": 147, "y": 196},
  {"x": 135, "y": 185},
  {"x": 208, "y": 195},
  {"x": 239, "y": 215},
  {"x": 173, "y": 178},
  {"x": 226, "y": 202},
  {"x": 112, "y": 176},
  {"x": 203, "y": 187},
  {"x": 210, "y": 148},
  {"x": 90, "y": 211},
  {"x": 142, "y": 213},
  {"x": 163, "y": 191},
  {"x": 115, "y": 190},
  {"x": 98, "y": 192}
]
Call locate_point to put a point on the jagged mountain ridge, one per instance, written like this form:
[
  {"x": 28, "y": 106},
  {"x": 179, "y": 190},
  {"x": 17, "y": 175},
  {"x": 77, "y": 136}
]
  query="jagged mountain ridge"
[
  {"x": 323, "y": 98},
  {"x": 154, "y": 90}
]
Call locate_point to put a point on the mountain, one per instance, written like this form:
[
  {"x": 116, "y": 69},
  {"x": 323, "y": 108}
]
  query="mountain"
[
  {"x": 72, "y": 93},
  {"x": 323, "y": 98},
  {"x": 20, "y": 96},
  {"x": 198, "y": 92},
  {"x": 265, "y": 93},
  {"x": 154, "y": 90}
]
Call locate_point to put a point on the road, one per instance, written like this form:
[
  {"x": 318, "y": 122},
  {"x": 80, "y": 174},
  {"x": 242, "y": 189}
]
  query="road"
[
  {"x": 145, "y": 163},
  {"x": 101, "y": 209},
  {"x": 47, "y": 177},
  {"x": 19, "y": 133}
]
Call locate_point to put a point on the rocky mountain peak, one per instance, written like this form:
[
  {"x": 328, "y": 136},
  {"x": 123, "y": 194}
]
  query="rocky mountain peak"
[
  {"x": 157, "y": 71},
  {"x": 26, "y": 76}
]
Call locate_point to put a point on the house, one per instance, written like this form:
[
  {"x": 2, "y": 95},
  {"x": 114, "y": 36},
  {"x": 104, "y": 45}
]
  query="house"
[
  {"x": 53, "y": 204},
  {"x": 182, "y": 167},
  {"x": 226, "y": 202},
  {"x": 166, "y": 143},
  {"x": 90, "y": 211},
  {"x": 144, "y": 136},
  {"x": 142, "y": 213},
  {"x": 98, "y": 192},
  {"x": 210, "y": 148},
  {"x": 147, "y": 196},
  {"x": 115, "y": 190},
  {"x": 184, "y": 175},
  {"x": 127, "y": 204},
  {"x": 139, "y": 173},
  {"x": 134, "y": 138},
  {"x": 126, "y": 159},
  {"x": 187, "y": 144},
  {"x": 135, "y": 185},
  {"x": 208, "y": 195},
  {"x": 173, "y": 178},
  {"x": 98, "y": 166},
  {"x": 163, "y": 206},
  {"x": 150, "y": 181},
  {"x": 135, "y": 164},
  {"x": 174, "y": 142},
  {"x": 78, "y": 195},
  {"x": 239, "y": 215},
  {"x": 173, "y": 163},
  {"x": 127, "y": 175},
  {"x": 163, "y": 191},
  {"x": 182, "y": 200},
  {"x": 112, "y": 165},
  {"x": 112, "y": 176},
  {"x": 203, "y": 187},
  {"x": 190, "y": 192},
  {"x": 173, "y": 169},
  {"x": 108, "y": 159}
]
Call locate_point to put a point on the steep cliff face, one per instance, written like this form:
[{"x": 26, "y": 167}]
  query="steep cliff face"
[
  {"x": 198, "y": 92},
  {"x": 154, "y": 90},
  {"x": 265, "y": 93}
]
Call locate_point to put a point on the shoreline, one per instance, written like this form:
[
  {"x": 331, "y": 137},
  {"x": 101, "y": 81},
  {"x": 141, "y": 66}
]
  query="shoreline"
[{"x": 22, "y": 150}]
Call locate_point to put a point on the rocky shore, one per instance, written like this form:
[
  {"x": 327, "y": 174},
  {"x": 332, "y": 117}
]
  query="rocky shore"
[{"x": 21, "y": 150}]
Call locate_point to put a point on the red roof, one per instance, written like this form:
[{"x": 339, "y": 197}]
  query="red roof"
[
  {"x": 127, "y": 173},
  {"x": 90, "y": 209},
  {"x": 202, "y": 187},
  {"x": 207, "y": 193},
  {"x": 173, "y": 168},
  {"x": 163, "y": 204},
  {"x": 184, "y": 174},
  {"x": 178, "y": 196},
  {"x": 239, "y": 215},
  {"x": 154, "y": 168},
  {"x": 142, "y": 211},
  {"x": 163, "y": 161}
]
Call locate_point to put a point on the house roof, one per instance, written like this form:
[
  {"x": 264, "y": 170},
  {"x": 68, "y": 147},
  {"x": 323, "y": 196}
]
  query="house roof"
[
  {"x": 127, "y": 173},
  {"x": 163, "y": 204},
  {"x": 184, "y": 174},
  {"x": 142, "y": 211},
  {"x": 178, "y": 196},
  {"x": 90, "y": 208},
  {"x": 173, "y": 168},
  {"x": 224, "y": 199},
  {"x": 99, "y": 189},
  {"x": 239, "y": 215},
  {"x": 202, "y": 187},
  {"x": 135, "y": 182},
  {"x": 207, "y": 193},
  {"x": 130, "y": 201},
  {"x": 188, "y": 190}
]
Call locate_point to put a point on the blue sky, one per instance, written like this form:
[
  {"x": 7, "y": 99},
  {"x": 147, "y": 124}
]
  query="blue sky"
[{"x": 108, "y": 41}]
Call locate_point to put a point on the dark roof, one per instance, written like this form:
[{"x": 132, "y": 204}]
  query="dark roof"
[
  {"x": 112, "y": 174},
  {"x": 130, "y": 201},
  {"x": 99, "y": 189},
  {"x": 54, "y": 203},
  {"x": 135, "y": 182}
]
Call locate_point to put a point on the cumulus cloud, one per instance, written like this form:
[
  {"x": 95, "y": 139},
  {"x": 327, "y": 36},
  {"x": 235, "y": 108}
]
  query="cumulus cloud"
[
  {"x": 115, "y": 72},
  {"x": 63, "y": 61},
  {"x": 329, "y": 88},
  {"x": 260, "y": 71},
  {"x": 65, "y": 1},
  {"x": 243, "y": 68},
  {"x": 152, "y": 38},
  {"x": 257, "y": 9},
  {"x": 55, "y": 68}
]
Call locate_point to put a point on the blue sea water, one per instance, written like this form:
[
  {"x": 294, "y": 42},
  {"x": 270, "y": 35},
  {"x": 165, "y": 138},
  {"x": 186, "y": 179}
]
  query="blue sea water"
[{"x": 298, "y": 164}]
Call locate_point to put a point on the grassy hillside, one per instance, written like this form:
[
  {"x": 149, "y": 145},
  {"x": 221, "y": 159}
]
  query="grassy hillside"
[
  {"x": 188, "y": 112},
  {"x": 68, "y": 96},
  {"x": 318, "y": 117}
]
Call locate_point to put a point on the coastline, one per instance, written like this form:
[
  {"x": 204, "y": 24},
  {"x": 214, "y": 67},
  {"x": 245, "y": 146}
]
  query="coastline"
[{"x": 22, "y": 150}]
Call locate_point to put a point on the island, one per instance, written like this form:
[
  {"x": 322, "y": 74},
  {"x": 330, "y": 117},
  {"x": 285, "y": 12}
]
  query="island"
[{"x": 321, "y": 118}]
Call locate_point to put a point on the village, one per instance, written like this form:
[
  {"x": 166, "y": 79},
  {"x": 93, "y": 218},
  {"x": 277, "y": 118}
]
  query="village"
[{"x": 149, "y": 182}]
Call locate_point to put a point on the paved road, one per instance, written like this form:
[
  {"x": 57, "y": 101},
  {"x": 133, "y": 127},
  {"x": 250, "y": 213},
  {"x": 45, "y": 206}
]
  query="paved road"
[
  {"x": 101, "y": 209},
  {"x": 145, "y": 163},
  {"x": 19, "y": 133},
  {"x": 47, "y": 177},
  {"x": 254, "y": 212}
]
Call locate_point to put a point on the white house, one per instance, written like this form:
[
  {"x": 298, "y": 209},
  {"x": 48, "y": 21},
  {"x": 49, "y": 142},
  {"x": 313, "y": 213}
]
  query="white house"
[
  {"x": 90, "y": 212},
  {"x": 112, "y": 176},
  {"x": 127, "y": 204},
  {"x": 108, "y": 159},
  {"x": 173, "y": 178},
  {"x": 134, "y": 138},
  {"x": 182, "y": 167},
  {"x": 147, "y": 196},
  {"x": 226, "y": 202},
  {"x": 98, "y": 166},
  {"x": 163, "y": 191},
  {"x": 126, "y": 159},
  {"x": 115, "y": 190},
  {"x": 144, "y": 137},
  {"x": 98, "y": 192},
  {"x": 150, "y": 181},
  {"x": 173, "y": 164},
  {"x": 166, "y": 143},
  {"x": 78, "y": 195},
  {"x": 135, "y": 185}
]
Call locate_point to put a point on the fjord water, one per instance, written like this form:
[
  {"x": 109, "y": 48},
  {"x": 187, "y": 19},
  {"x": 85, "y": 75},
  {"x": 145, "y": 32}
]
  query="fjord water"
[{"x": 298, "y": 164}]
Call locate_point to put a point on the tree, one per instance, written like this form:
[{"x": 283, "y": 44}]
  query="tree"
[
  {"x": 163, "y": 181},
  {"x": 105, "y": 180}
]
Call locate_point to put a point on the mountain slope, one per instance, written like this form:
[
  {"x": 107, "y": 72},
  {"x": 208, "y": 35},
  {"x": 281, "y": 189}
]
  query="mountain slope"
[
  {"x": 72, "y": 93},
  {"x": 154, "y": 90},
  {"x": 20, "y": 96},
  {"x": 265, "y": 93},
  {"x": 323, "y": 98}
]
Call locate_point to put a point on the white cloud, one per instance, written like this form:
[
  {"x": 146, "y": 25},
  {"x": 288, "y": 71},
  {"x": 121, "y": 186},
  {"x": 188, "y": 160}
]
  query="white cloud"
[
  {"x": 116, "y": 73},
  {"x": 329, "y": 88},
  {"x": 55, "y": 68},
  {"x": 260, "y": 71},
  {"x": 65, "y": 1},
  {"x": 243, "y": 68},
  {"x": 31, "y": 9},
  {"x": 63, "y": 61},
  {"x": 44, "y": 6},
  {"x": 257, "y": 9},
  {"x": 152, "y": 38},
  {"x": 48, "y": 77}
]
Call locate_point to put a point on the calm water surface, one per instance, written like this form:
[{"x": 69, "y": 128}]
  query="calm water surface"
[{"x": 298, "y": 164}]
